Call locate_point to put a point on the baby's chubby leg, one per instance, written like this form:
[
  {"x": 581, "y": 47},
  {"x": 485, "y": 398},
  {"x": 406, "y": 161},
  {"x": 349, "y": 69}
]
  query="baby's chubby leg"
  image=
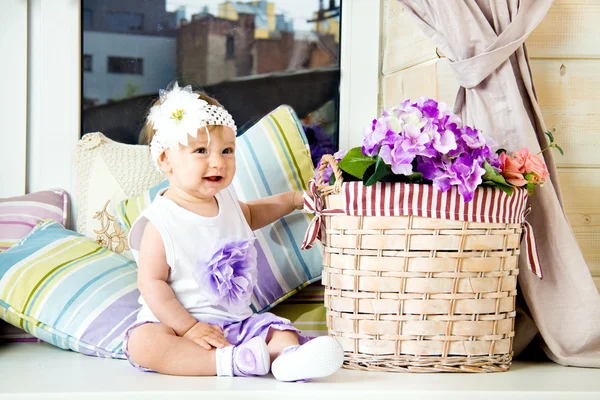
[
  {"x": 157, "y": 347},
  {"x": 277, "y": 341},
  {"x": 319, "y": 357}
]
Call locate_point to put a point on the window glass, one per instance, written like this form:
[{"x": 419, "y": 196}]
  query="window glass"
[
  {"x": 86, "y": 18},
  {"x": 252, "y": 56},
  {"x": 126, "y": 65},
  {"x": 87, "y": 63},
  {"x": 125, "y": 21}
]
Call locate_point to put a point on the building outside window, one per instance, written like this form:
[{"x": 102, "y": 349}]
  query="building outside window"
[
  {"x": 126, "y": 21},
  {"x": 229, "y": 50},
  {"x": 126, "y": 65},
  {"x": 87, "y": 63},
  {"x": 87, "y": 18}
]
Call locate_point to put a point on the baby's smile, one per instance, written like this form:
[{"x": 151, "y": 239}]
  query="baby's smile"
[{"x": 215, "y": 179}]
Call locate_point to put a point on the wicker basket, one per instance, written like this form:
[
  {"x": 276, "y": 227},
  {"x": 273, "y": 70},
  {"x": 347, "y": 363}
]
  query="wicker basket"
[{"x": 418, "y": 294}]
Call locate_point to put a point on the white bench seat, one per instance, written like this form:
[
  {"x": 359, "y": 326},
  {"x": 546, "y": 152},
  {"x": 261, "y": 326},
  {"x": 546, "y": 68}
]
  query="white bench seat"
[{"x": 41, "y": 371}]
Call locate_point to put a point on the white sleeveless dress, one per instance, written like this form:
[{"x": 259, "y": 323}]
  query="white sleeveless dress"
[{"x": 203, "y": 254}]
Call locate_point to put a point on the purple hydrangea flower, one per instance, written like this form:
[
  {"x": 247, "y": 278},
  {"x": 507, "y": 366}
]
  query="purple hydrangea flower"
[
  {"x": 446, "y": 153},
  {"x": 466, "y": 173},
  {"x": 379, "y": 134},
  {"x": 414, "y": 140},
  {"x": 398, "y": 158},
  {"x": 229, "y": 276}
]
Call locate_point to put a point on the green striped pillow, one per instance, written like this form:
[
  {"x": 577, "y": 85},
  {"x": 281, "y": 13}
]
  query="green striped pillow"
[
  {"x": 271, "y": 157},
  {"x": 68, "y": 290},
  {"x": 306, "y": 309}
]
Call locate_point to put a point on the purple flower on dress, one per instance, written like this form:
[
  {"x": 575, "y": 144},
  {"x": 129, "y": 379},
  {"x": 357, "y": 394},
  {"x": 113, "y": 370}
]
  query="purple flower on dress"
[{"x": 229, "y": 276}]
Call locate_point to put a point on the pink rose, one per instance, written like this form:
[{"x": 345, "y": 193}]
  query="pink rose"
[
  {"x": 513, "y": 169},
  {"x": 521, "y": 156},
  {"x": 534, "y": 164}
]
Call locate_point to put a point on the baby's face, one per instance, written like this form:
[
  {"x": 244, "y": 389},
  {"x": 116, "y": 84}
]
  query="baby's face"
[{"x": 203, "y": 168}]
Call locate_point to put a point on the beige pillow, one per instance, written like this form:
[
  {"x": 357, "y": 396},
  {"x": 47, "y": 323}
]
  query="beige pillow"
[{"x": 108, "y": 172}]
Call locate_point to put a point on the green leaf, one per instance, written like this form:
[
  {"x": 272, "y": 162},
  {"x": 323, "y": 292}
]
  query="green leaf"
[
  {"x": 530, "y": 188},
  {"x": 332, "y": 179},
  {"x": 415, "y": 177},
  {"x": 380, "y": 171},
  {"x": 492, "y": 175},
  {"x": 493, "y": 178},
  {"x": 550, "y": 136},
  {"x": 356, "y": 163},
  {"x": 509, "y": 190},
  {"x": 560, "y": 150}
]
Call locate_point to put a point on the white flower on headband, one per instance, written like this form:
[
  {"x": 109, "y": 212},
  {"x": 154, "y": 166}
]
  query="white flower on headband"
[{"x": 180, "y": 114}]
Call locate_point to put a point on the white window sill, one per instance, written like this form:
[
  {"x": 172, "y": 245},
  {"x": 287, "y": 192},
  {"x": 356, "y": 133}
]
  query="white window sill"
[{"x": 40, "y": 371}]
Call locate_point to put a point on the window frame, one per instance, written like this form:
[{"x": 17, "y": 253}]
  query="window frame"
[{"x": 13, "y": 80}]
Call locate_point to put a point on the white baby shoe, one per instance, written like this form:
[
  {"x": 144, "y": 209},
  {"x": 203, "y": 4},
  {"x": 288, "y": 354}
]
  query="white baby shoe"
[{"x": 319, "y": 357}]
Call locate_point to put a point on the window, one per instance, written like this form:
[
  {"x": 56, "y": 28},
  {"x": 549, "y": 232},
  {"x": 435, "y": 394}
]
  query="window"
[
  {"x": 229, "y": 48},
  {"x": 87, "y": 63},
  {"x": 87, "y": 18},
  {"x": 125, "y": 21},
  {"x": 233, "y": 50},
  {"x": 125, "y": 65},
  {"x": 57, "y": 107}
]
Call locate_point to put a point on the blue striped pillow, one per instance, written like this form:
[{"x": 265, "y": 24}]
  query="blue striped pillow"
[
  {"x": 68, "y": 290},
  {"x": 271, "y": 157}
]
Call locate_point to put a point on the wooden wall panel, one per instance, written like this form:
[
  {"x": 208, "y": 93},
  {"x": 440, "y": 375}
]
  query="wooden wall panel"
[
  {"x": 571, "y": 29},
  {"x": 404, "y": 45},
  {"x": 579, "y": 137},
  {"x": 433, "y": 78},
  {"x": 567, "y": 86},
  {"x": 581, "y": 195},
  {"x": 569, "y": 94}
]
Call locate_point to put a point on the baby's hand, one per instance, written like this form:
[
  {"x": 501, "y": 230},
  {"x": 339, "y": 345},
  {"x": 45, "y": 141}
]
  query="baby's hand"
[
  {"x": 207, "y": 336},
  {"x": 298, "y": 199}
]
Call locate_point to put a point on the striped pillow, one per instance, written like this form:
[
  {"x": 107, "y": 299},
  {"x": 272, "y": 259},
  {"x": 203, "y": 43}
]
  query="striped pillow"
[
  {"x": 68, "y": 290},
  {"x": 272, "y": 157},
  {"x": 19, "y": 215}
]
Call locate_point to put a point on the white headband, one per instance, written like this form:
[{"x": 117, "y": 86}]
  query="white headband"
[{"x": 181, "y": 113}]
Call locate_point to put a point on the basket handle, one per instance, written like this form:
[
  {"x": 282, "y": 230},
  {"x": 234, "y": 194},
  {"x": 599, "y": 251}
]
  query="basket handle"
[{"x": 324, "y": 187}]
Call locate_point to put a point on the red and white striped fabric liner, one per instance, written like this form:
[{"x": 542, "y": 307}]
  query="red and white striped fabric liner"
[
  {"x": 489, "y": 205},
  {"x": 395, "y": 199}
]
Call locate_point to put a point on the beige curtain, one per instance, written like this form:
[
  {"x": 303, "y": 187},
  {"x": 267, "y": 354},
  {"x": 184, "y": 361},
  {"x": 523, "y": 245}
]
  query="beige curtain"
[{"x": 483, "y": 40}]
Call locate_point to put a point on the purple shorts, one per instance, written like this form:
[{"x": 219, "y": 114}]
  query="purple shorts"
[{"x": 235, "y": 332}]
